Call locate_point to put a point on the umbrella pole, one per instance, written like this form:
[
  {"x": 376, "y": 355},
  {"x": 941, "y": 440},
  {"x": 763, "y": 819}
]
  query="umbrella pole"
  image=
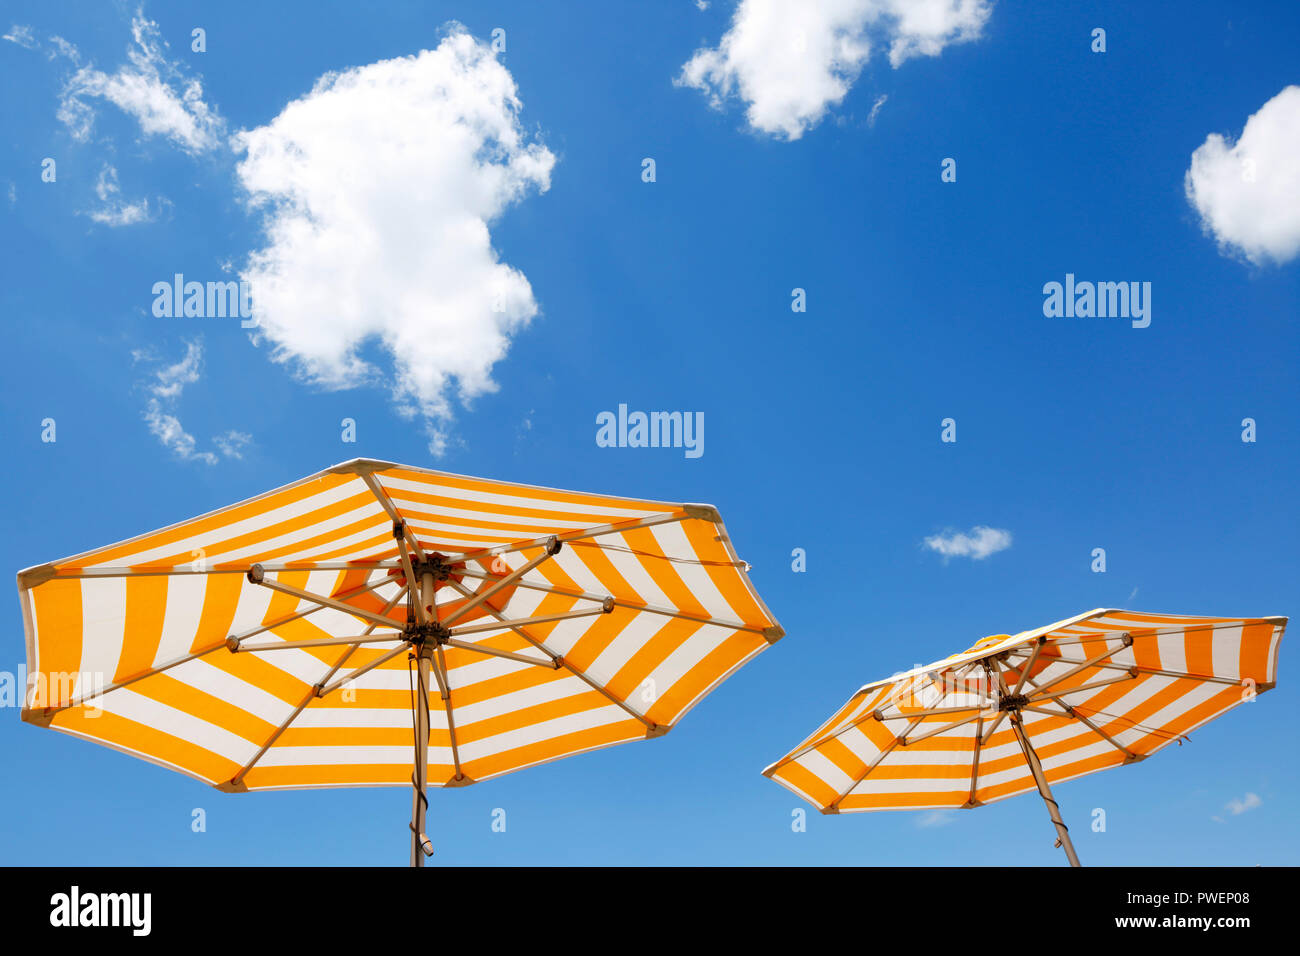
[
  {"x": 1036, "y": 768},
  {"x": 419, "y": 801},
  {"x": 421, "y": 846}
]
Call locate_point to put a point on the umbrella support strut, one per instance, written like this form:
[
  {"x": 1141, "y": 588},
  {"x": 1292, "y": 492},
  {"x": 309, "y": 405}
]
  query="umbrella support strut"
[{"x": 1036, "y": 768}]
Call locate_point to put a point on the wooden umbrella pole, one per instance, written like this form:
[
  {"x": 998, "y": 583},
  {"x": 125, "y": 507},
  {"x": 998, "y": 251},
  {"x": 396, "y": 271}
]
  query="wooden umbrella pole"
[
  {"x": 1036, "y": 768},
  {"x": 420, "y": 844},
  {"x": 419, "y": 801}
]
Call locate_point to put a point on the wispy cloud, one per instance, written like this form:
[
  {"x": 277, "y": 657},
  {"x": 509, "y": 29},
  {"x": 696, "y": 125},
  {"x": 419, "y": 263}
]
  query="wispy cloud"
[
  {"x": 232, "y": 443},
  {"x": 976, "y": 544},
  {"x": 1248, "y": 193},
  {"x": 1239, "y": 805},
  {"x": 164, "y": 390},
  {"x": 433, "y": 151},
  {"x": 876, "y": 107},
  {"x": 21, "y": 35},
  {"x": 113, "y": 209},
  {"x": 151, "y": 88},
  {"x": 792, "y": 62},
  {"x": 936, "y": 818}
]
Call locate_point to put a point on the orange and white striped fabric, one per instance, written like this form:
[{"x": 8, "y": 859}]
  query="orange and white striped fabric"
[
  {"x": 1098, "y": 690},
  {"x": 128, "y": 645}
]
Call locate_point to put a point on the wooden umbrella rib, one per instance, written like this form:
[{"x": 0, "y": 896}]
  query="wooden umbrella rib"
[
  {"x": 835, "y": 804},
  {"x": 507, "y": 655},
  {"x": 940, "y": 730},
  {"x": 1029, "y": 665},
  {"x": 995, "y": 672},
  {"x": 312, "y": 692},
  {"x": 1094, "y": 685},
  {"x": 595, "y": 532},
  {"x": 443, "y": 677},
  {"x": 550, "y": 548},
  {"x": 937, "y": 712},
  {"x": 82, "y": 698},
  {"x": 392, "y": 603},
  {"x": 127, "y": 681},
  {"x": 1084, "y": 665},
  {"x": 298, "y": 615},
  {"x": 877, "y": 713},
  {"x": 146, "y": 571},
  {"x": 618, "y": 602},
  {"x": 386, "y": 502},
  {"x": 329, "y": 602},
  {"x": 364, "y": 669},
  {"x": 240, "y": 648},
  {"x": 408, "y": 569},
  {"x": 275, "y": 735},
  {"x": 979, "y": 741},
  {"x": 975, "y": 761},
  {"x": 528, "y": 621},
  {"x": 1073, "y": 713},
  {"x": 1142, "y": 632},
  {"x": 1181, "y": 675},
  {"x": 541, "y": 646}
]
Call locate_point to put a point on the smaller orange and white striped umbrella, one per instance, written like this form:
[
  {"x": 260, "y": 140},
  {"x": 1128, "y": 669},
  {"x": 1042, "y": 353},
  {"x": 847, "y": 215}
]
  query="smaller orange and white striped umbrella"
[{"x": 1014, "y": 713}]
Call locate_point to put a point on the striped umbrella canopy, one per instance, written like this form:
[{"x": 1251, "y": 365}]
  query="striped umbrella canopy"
[
  {"x": 1020, "y": 712},
  {"x": 375, "y": 619}
]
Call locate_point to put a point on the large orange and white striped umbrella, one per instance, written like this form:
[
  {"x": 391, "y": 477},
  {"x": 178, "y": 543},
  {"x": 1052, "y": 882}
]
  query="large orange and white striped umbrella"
[
  {"x": 314, "y": 635},
  {"x": 1017, "y": 713}
]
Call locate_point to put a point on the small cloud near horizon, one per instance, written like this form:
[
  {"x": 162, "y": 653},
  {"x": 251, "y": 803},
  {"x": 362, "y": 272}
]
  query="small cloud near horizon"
[
  {"x": 1239, "y": 805},
  {"x": 976, "y": 544}
]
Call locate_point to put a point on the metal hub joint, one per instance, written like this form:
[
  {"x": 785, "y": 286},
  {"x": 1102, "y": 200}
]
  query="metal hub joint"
[
  {"x": 432, "y": 634},
  {"x": 432, "y": 564}
]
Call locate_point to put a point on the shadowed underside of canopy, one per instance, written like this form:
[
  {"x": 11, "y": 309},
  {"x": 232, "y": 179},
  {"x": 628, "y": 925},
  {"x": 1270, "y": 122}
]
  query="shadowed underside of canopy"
[
  {"x": 276, "y": 643},
  {"x": 1018, "y": 713}
]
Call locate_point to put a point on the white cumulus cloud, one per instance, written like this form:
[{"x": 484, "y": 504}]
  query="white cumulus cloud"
[
  {"x": 378, "y": 188},
  {"x": 792, "y": 60},
  {"x": 977, "y": 544},
  {"x": 1248, "y": 192}
]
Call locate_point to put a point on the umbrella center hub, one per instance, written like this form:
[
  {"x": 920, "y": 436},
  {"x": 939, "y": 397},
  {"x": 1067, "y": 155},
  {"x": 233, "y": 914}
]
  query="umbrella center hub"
[
  {"x": 1013, "y": 702},
  {"x": 433, "y": 564},
  {"x": 431, "y": 634}
]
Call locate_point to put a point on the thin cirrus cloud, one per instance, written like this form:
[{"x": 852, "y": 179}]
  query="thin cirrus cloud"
[
  {"x": 977, "y": 544},
  {"x": 1247, "y": 193},
  {"x": 936, "y": 818},
  {"x": 113, "y": 209},
  {"x": 164, "y": 389},
  {"x": 792, "y": 62},
  {"x": 149, "y": 87},
  {"x": 377, "y": 190},
  {"x": 21, "y": 35}
]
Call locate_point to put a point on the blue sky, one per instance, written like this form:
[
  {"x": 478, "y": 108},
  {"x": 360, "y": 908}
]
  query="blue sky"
[{"x": 924, "y": 302}]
